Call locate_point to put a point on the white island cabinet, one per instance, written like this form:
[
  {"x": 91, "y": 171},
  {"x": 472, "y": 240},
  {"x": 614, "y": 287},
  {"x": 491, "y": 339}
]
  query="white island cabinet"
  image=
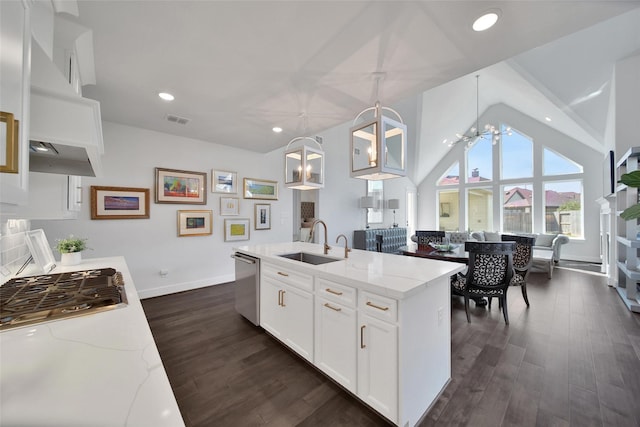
[
  {"x": 102, "y": 369},
  {"x": 378, "y": 324}
]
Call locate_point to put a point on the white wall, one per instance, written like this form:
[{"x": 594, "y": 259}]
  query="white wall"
[
  {"x": 149, "y": 245},
  {"x": 586, "y": 249}
]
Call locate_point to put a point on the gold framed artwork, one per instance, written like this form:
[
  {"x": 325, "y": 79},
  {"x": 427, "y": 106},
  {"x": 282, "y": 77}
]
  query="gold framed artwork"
[
  {"x": 195, "y": 223},
  {"x": 260, "y": 189},
  {"x": 262, "y": 216},
  {"x": 119, "y": 203},
  {"x": 224, "y": 181},
  {"x": 229, "y": 206},
  {"x": 236, "y": 229},
  {"x": 179, "y": 186},
  {"x": 9, "y": 136}
]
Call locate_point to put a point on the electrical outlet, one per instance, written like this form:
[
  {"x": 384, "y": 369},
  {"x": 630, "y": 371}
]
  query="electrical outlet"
[
  {"x": 440, "y": 316},
  {"x": 164, "y": 272}
]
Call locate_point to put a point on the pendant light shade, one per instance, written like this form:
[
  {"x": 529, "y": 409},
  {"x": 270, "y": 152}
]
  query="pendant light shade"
[
  {"x": 378, "y": 146},
  {"x": 304, "y": 166}
]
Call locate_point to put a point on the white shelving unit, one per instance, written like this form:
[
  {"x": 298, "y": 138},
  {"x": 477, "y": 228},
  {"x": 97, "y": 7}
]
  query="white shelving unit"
[{"x": 628, "y": 245}]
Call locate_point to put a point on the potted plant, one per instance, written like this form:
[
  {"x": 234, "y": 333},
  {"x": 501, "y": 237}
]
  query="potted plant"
[
  {"x": 70, "y": 249},
  {"x": 631, "y": 179}
]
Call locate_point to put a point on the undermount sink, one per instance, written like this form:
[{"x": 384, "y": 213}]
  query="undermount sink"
[{"x": 308, "y": 258}]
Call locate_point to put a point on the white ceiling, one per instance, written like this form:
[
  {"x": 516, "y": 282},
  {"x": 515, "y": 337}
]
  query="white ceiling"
[{"x": 238, "y": 68}]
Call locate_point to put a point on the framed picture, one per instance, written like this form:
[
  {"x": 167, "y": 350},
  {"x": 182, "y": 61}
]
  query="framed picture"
[
  {"x": 229, "y": 206},
  {"x": 178, "y": 186},
  {"x": 119, "y": 203},
  {"x": 224, "y": 182},
  {"x": 236, "y": 229},
  {"x": 260, "y": 189},
  {"x": 195, "y": 223},
  {"x": 9, "y": 132},
  {"x": 262, "y": 219}
]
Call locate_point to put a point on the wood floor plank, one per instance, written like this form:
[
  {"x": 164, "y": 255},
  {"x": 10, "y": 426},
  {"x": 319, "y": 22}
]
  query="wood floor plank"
[{"x": 571, "y": 359}]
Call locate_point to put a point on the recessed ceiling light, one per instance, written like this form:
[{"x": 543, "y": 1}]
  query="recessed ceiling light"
[
  {"x": 548, "y": 118},
  {"x": 277, "y": 129},
  {"x": 166, "y": 96},
  {"x": 486, "y": 21}
]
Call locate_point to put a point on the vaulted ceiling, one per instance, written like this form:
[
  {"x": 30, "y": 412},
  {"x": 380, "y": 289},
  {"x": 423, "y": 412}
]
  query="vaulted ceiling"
[{"x": 238, "y": 68}]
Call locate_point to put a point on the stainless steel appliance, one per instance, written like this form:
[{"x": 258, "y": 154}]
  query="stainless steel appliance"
[
  {"x": 35, "y": 299},
  {"x": 248, "y": 287}
]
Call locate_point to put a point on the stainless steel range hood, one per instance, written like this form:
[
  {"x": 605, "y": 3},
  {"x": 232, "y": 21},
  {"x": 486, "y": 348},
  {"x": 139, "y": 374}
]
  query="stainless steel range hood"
[{"x": 70, "y": 127}]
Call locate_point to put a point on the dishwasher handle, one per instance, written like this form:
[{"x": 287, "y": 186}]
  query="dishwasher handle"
[{"x": 244, "y": 259}]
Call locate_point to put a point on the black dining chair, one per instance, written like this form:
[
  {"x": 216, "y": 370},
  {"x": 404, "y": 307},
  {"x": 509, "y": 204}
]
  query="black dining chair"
[
  {"x": 424, "y": 237},
  {"x": 489, "y": 274},
  {"x": 522, "y": 261}
]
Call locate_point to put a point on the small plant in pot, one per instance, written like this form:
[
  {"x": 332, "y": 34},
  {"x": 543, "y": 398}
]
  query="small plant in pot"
[{"x": 70, "y": 249}]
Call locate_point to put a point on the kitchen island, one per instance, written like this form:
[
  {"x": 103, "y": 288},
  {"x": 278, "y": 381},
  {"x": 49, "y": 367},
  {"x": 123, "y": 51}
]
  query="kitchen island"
[
  {"x": 378, "y": 324},
  {"x": 102, "y": 369}
]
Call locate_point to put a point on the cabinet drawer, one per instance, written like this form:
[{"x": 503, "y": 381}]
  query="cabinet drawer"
[
  {"x": 336, "y": 292},
  {"x": 290, "y": 277},
  {"x": 378, "y": 306}
]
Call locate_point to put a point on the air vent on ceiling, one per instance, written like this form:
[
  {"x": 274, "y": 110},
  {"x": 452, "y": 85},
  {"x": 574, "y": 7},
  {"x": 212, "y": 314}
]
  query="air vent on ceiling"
[{"x": 178, "y": 119}]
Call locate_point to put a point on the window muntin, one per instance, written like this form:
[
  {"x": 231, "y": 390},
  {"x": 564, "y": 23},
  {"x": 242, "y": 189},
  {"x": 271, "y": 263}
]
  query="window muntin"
[{"x": 517, "y": 155}]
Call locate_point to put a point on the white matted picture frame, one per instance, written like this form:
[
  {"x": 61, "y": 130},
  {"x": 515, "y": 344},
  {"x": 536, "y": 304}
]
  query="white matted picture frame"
[
  {"x": 236, "y": 229},
  {"x": 262, "y": 216},
  {"x": 224, "y": 181},
  {"x": 179, "y": 186},
  {"x": 195, "y": 222},
  {"x": 229, "y": 206}
]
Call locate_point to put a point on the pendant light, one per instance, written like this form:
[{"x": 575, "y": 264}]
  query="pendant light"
[
  {"x": 378, "y": 145},
  {"x": 304, "y": 165}
]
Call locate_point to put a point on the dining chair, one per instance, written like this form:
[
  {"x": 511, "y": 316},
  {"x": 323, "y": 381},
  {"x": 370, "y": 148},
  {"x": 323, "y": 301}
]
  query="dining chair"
[
  {"x": 424, "y": 237},
  {"x": 489, "y": 274},
  {"x": 522, "y": 261}
]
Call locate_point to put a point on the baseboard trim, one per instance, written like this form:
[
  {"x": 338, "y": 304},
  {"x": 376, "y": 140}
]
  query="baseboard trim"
[{"x": 186, "y": 286}]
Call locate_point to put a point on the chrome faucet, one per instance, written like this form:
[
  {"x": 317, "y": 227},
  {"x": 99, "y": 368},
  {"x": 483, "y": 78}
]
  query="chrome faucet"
[
  {"x": 313, "y": 227},
  {"x": 346, "y": 248}
]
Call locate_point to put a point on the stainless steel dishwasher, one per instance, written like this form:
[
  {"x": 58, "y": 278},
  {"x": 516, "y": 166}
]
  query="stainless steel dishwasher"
[{"x": 248, "y": 287}]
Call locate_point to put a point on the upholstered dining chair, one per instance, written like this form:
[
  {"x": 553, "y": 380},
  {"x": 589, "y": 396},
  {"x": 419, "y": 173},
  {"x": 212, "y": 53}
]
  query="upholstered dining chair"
[
  {"x": 489, "y": 274},
  {"x": 522, "y": 261},
  {"x": 424, "y": 237}
]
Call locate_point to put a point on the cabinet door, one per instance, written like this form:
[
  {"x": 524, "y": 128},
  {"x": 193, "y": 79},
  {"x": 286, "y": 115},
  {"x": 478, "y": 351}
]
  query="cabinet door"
[
  {"x": 298, "y": 320},
  {"x": 271, "y": 310},
  {"x": 335, "y": 333},
  {"x": 378, "y": 365}
]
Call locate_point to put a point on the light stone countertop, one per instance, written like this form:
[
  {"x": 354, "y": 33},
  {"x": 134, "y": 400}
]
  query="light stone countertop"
[
  {"x": 391, "y": 275},
  {"x": 102, "y": 369}
]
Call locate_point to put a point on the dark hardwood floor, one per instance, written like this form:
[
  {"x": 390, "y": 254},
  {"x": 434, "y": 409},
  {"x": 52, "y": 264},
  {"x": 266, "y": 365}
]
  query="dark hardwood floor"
[{"x": 571, "y": 359}]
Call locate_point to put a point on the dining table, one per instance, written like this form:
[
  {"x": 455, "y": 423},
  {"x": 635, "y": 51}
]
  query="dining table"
[{"x": 455, "y": 254}]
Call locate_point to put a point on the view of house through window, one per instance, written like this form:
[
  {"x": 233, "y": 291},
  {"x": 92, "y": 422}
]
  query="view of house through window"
[{"x": 559, "y": 196}]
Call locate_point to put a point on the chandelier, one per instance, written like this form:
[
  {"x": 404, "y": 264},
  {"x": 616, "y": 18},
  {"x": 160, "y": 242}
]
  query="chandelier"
[
  {"x": 304, "y": 166},
  {"x": 489, "y": 132}
]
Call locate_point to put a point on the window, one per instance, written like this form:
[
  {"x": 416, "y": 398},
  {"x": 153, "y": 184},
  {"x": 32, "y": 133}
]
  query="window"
[
  {"x": 449, "y": 208},
  {"x": 517, "y": 208},
  {"x": 532, "y": 198},
  {"x": 480, "y": 209},
  {"x": 480, "y": 161},
  {"x": 375, "y": 189},
  {"x": 517, "y": 155},
  {"x": 563, "y": 208}
]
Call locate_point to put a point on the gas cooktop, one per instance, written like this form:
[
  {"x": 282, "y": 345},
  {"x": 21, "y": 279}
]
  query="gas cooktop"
[{"x": 35, "y": 299}]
